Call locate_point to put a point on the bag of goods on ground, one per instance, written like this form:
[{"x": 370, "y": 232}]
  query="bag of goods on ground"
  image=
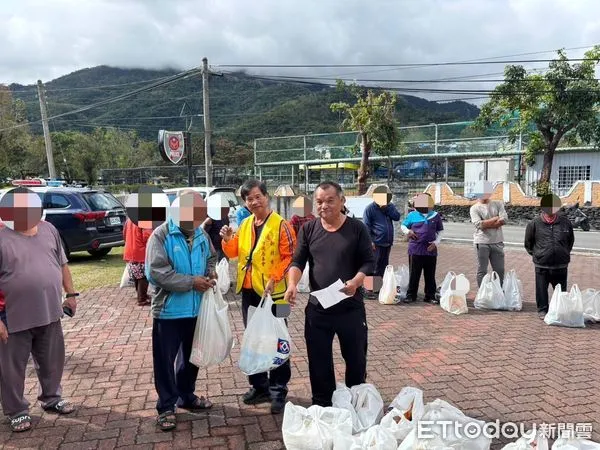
[{"x": 566, "y": 308}]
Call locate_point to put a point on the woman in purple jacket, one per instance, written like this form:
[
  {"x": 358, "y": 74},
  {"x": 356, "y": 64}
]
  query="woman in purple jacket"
[{"x": 424, "y": 230}]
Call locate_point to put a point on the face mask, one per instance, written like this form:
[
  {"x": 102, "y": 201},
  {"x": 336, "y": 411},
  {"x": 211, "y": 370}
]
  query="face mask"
[{"x": 423, "y": 211}]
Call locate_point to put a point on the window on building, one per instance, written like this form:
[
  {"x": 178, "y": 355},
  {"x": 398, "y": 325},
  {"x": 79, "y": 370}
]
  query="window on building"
[{"x": 569, "y": 175}]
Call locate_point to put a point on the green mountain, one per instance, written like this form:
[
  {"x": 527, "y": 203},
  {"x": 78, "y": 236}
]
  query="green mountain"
[{"x": 242, "y": 107}]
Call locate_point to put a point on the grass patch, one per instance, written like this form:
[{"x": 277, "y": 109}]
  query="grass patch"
[{"x": 89, "y": 273}]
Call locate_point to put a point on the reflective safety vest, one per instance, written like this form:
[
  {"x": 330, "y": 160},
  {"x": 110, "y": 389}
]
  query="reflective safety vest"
[{"x": 265, "y": 256}]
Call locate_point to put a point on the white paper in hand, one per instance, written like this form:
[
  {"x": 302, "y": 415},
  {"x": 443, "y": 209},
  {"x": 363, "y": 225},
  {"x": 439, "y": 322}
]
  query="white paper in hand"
[{"x": 331, "y": 295}]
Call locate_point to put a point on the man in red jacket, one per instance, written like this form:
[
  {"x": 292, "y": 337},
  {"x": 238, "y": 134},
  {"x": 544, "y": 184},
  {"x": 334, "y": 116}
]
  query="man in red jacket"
[{"x": 135, "y": 256}]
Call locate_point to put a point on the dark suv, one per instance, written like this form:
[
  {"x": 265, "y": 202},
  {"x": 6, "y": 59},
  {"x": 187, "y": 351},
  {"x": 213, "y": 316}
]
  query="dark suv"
[{"x": 87, "y": 220}]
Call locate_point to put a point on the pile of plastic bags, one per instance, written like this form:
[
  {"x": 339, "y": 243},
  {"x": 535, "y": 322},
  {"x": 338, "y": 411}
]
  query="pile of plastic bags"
[
  {"x": 357, "y": 422},
  {"x": 491, "y": 294},
  {"x": 566, "y": 308}
]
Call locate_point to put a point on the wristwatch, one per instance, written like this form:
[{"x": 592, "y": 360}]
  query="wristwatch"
[{"x": 74, "y": 294}]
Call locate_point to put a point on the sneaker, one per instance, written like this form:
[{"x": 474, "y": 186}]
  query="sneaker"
[
  {"x": 255, "y": 396},
  {"x": 542, "y": 314},
  {"x": 277, "y": 405},
  {"x": 433, "y": 301}
]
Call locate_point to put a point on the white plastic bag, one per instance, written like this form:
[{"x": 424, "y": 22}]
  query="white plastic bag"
[
  {"x": 402, "y": 279},
  {"x": 343, "y": 441},
  {"x": 566, "y": 308},
  {"x": 314, "y": 428},
  {"x": 126, "y": 280},
  {"x": 490, "y": 294},
  {"x": 591, "y": 305},
  {"x": 362, "y": 401},
  {"x": 575, "y": 444},
  {"x": 387, "y": 294},
  {"x": 453, "y": 293},
  {"x": 213, "y": 338},
  {"x": 406, "y": 410},
  {"x": 266, "y": 343},
  {"x": 223, "y": 278},
  {"x": 342, "y": 398},
  {"x": 513, "y": 291},
  {"x": 433, "y": 436},
  {"x": 529, "y": 441},
  {"x": 304, "y": 283},
  {"x": 368, "y": 405},
  {"x": 378, "y": 438}
]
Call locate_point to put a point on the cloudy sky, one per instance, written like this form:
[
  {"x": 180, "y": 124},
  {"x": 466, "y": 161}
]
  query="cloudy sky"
[{"x": 44, "y": 39}]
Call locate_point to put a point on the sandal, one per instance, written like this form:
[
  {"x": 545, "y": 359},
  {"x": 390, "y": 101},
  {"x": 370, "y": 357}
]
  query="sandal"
[
  {"x": 167, "y": 421},
  {"x": 199, "y": 404},
  {"x": 20, "y": 423},
  {"x": 62, "y": 407}
]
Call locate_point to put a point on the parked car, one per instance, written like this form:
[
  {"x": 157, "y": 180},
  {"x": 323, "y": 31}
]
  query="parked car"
[{"x": 87, "y": 219}]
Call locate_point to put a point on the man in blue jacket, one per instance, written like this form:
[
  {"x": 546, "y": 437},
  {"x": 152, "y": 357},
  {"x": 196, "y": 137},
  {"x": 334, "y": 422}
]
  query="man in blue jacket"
[
  {"x": 378, "y": 217},
  {"x": 180, "y": 262}
]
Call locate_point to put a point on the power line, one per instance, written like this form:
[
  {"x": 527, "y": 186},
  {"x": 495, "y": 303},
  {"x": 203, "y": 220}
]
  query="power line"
[
  {"x": 84, "y": 88},
  {"x": 309, "y": 66}
]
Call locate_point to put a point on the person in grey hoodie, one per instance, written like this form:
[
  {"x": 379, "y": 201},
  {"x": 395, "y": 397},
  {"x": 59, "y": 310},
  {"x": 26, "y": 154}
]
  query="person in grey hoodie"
[{"x": 488, "y": 217}]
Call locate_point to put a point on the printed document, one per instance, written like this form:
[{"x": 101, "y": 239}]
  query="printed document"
[{"x": 331, "y": 295}]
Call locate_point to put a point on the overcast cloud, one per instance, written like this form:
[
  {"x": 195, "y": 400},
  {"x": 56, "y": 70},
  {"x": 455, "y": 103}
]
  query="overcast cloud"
[{"x": 48, "y": 38}]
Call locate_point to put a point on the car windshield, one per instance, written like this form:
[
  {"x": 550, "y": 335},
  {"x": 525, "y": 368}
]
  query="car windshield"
[{"x": 101, "y": 201}]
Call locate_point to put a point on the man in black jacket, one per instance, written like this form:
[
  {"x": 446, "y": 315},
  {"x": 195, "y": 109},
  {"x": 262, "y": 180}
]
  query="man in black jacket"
[{"x": 549, "y": 238}]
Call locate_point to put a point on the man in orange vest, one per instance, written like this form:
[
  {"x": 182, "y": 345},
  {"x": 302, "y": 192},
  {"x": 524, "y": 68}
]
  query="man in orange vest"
[{"x": 264, "y": 245}]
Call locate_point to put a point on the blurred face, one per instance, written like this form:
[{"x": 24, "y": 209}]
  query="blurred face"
[
  {"x": 257, "y": 202},
  {"x": 551, "y": 204},
  {"x": 382, "y": 198},
  {"x": 21, "y": 209},
  {"x": 329, "y": 203},
  {"x": 423, "y": 203},
  {"x": 189, "y": 211},
  {"x": 302, "y": 206}
]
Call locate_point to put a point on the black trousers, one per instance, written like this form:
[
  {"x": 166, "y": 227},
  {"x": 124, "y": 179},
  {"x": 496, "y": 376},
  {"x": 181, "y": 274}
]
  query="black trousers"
[
  {"x": 319, "y": 331},
  {"x": 275, "y": 381},
  {"x": 172, "y": 340},
  {"x": 382, "y": 259},
  {"x": 427, "y": 265},
  {"x": 545, "y": 277}
]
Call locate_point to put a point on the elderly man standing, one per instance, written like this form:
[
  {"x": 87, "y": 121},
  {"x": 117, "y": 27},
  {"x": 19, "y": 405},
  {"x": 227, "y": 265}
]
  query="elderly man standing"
[
  {"x": 337, "y": 247},
  {"x": 180, "y": 262},
  {"x": 33, "y": 274},
  {"x": 488, "y": 217},
  {"x": 263, "y": 245},
  {"x": 378, "y": 217},
  {"x": 549, "y": 239}
]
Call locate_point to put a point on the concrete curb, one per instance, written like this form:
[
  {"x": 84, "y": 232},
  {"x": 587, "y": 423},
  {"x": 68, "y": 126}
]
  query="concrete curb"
[{"x": 576, "y": 250}]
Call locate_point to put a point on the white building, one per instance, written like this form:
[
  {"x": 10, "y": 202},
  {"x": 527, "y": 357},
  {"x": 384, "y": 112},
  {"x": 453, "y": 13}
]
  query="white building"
[{"x": 568, "y": 167}]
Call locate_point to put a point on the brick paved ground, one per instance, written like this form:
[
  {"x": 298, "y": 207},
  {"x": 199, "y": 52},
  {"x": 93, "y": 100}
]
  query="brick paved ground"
[{"x": 492, "y": 365}]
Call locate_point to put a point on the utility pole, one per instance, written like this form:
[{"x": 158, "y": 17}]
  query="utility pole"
[
  {"x": 47, "y": 140},
  {"x": 207, "y": 129}
]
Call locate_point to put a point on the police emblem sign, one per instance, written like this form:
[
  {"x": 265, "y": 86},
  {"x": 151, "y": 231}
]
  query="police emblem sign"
[{"x": 171, "y": 145}]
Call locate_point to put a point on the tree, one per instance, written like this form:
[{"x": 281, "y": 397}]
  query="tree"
[
  {"x": 562, "y": 102},
  {"x": 372, "y": 116}
]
